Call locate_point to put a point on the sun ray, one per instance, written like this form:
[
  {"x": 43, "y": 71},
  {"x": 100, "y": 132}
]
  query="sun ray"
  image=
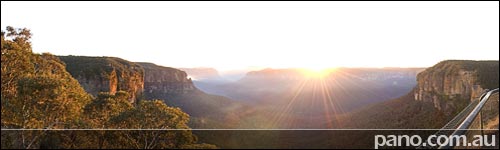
[{"x": 281, "y": 113}]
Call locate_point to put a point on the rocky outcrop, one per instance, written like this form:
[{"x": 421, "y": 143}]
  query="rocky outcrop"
[
  {"x": 106, "y": 74},
  {"x": 452, "y": 84},
  {"x": 160, "y": 82},
  {"x": 140, "y": 80}
]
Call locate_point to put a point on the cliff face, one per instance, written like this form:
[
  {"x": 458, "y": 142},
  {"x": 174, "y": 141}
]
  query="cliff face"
[
  {"x": 160, "y": 82},
  {"x": 453, "y": 83},
  {"x": 106, "y": 74},
  {"x": 149, "y": 81}
]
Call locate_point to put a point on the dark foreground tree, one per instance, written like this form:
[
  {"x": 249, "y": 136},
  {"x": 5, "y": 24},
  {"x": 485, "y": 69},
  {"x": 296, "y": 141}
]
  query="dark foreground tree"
[
  {"x": 38, "y": 93},
  {"x": 158, "y": 118}
]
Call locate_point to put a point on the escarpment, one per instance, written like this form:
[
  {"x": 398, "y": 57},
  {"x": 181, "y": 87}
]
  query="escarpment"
[
  {"x": 452, "y": 84},
  {"x": 160, "y": 82},
  {"x": 106, "y": 74}
]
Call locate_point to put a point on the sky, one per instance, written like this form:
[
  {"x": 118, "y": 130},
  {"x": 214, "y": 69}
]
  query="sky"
[{"x": 237, "y": 35}]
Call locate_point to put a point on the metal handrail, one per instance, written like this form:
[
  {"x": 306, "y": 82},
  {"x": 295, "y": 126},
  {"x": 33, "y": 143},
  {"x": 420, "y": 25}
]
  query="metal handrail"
[{"x": 462, "y": 128}]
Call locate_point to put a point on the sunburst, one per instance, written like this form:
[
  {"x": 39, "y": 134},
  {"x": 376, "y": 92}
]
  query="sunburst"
[{"x": 315, "y": 72}]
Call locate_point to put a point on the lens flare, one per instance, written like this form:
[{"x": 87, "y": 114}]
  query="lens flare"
[{"x": 317, "y": 72}]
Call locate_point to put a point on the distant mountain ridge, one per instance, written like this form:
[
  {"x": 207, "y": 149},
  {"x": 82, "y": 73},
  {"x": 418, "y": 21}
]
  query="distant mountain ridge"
[{"x": 374, "y": 84}]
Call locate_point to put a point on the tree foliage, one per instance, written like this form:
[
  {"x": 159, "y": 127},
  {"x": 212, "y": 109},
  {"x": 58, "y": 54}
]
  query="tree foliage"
[
  {"x": 38, "y": 93},
  {"x": 106, "y": 106},
  {"x": 16, "y": 63},
  {"x": 153, "y": 115}
]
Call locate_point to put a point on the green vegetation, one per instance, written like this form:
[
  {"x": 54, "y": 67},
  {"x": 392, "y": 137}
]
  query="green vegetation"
[
  {"x": 38, "y": 93},
  {"x": 106, "y": 106},
  {"x": 89, "y": 67}
]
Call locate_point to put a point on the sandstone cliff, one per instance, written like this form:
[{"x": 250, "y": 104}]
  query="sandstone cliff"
[
  {"x": 451, "y": 84},
  {"x": 160, "y": 82},
  {"x": 106, "y": 74},
  {"x": 176, "y": 89}
]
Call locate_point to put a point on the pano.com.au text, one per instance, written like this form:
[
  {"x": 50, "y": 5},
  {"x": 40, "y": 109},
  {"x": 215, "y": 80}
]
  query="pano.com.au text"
[{"x": 434, "y": 141}]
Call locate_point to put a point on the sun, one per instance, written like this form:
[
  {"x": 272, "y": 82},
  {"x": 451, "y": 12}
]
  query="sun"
[{"x": 317, "y": 72}]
